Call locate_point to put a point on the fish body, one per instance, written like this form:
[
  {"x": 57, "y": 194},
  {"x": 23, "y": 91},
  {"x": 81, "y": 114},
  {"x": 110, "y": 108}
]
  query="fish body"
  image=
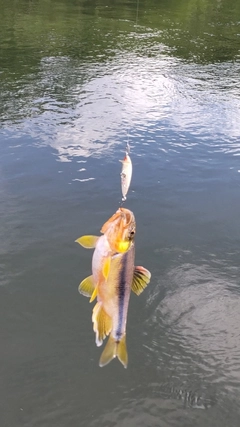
[
  {"x": 113, "y": 300},
  {"x": 115, "y": 293},
  {"x": 113, "y": 278},
  {"x": 110, "y": 313},
  {"x": 126, "y": 175}
]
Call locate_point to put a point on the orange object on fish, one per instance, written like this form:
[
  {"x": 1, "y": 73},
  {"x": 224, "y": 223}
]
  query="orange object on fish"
[{"x": 112, "y": 286}]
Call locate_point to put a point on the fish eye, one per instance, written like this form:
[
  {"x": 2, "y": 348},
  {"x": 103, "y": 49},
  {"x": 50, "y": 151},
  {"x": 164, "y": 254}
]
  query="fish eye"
[{"x": 131, "y": 234}]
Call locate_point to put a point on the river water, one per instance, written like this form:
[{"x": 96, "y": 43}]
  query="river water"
[{"x": 78, "y": 79}]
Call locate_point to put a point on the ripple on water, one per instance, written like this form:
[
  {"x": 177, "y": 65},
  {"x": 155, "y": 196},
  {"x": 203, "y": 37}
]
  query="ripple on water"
[
  {"x": 195, "y": 327},
  {"x": 200, "y": 105}
]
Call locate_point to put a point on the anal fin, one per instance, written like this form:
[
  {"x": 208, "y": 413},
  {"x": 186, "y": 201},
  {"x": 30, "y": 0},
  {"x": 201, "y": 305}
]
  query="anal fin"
[{"x": 102, "y": 323}]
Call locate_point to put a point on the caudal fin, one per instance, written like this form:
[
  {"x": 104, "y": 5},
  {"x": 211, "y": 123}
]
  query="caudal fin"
[{"x": 114, "y": 349}]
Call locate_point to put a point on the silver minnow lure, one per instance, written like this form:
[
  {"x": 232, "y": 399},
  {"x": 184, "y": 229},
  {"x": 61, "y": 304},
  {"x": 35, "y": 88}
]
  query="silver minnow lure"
[{"x": 126, "y": 173}]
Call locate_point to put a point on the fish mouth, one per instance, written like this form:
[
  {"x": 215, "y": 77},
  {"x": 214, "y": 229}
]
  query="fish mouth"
[
  {"x": 120, "y": 230},
  {"x": 123, "y": 218}
]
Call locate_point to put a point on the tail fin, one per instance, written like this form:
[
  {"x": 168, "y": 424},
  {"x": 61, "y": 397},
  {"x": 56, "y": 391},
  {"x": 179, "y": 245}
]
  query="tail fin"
[{"x": 114, "y": 348}]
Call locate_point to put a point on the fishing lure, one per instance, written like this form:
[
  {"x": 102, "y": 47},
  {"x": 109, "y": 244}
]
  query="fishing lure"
[{"x": 126, "y": 173}]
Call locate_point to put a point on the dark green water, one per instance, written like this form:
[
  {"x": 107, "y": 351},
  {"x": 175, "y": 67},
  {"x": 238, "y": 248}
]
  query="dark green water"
[{"x": 78, "y": 79}]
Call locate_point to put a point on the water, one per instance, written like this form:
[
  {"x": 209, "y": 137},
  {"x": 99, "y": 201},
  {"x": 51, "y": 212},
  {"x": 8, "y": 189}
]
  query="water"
[{"x": 77, "y": 81}]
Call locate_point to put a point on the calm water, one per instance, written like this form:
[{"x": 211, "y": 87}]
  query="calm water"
[{"x": 78, "y": 79}]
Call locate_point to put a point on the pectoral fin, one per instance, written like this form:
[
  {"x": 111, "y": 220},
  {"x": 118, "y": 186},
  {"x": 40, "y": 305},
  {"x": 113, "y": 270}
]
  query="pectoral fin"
[
  {"x": 141, "y": 278},
  {"x": 88, "y": 242},
  {"x": 87, "y": 287},
  {"x": 102, "y": 323},
  {"x": 106, "y": 267}
]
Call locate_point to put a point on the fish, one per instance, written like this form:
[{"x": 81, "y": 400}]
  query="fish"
[
  {"x": 112, "y": 286},
  {"x": 110, "y": 313},
  {"x": 126, "y": 175},
  {"x": 117, "y": 238}
]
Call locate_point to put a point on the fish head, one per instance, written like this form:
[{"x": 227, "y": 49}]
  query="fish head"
[{"x": 120, "y": 230}]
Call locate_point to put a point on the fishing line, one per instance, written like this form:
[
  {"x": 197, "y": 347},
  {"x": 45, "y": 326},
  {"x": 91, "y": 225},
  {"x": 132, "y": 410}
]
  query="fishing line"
[
  {"x": 137, "y": 11},
  {"x": 127, "y": 150},
  {"x": 127, "y": 145}
]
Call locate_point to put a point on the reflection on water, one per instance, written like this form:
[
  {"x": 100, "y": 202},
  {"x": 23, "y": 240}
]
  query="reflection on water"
[
  {"x": 134, "y": 82},
  {"x": 163, "y": 93},
  {"x": 77, "y": 81}
]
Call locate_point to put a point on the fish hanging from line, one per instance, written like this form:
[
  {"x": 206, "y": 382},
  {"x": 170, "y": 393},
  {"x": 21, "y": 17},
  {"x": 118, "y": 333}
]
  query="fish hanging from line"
[
  {"x": 113, "y": 291},
  {"x": 126, "y": 173},
  {"x": 117, "y": 238}
]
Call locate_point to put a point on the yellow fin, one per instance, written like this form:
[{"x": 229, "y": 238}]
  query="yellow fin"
[
  {"x": 106, "y": 267},
  {"x": 87, "y": 287},
  {"x": 102, "y": 323},
  {"x": 122, "y": 351},
  {"x": 141, "y": 278},
  {"x": 113, "y": 349},
  {"x": 94, "y": 294},
  {"x": 88, "y": 242},
  {"x": 109, "y": 352}
]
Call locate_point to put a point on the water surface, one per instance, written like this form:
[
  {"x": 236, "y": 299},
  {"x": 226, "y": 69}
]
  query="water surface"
[{"x": 78, "y": 79}]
